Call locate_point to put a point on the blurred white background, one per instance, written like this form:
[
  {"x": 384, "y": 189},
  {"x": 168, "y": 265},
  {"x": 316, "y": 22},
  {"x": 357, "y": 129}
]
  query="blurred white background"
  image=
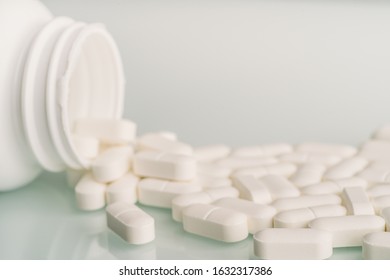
[{"x": 245, "y": 71}]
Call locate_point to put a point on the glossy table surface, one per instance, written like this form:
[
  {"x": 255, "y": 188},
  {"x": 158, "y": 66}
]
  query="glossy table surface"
[{"x": 41, "y": 221}]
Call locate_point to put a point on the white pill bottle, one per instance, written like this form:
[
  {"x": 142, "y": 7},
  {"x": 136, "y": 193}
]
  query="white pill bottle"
[{"x": 53, "y": 70}]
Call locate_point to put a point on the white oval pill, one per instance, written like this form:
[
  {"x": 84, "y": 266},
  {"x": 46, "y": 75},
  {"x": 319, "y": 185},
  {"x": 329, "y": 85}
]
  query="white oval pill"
[
  {"x": 375, "y": 150},
  {"x": 376, "y": 174},
  {"x": 245, "y": 162},
  {"x": 292, "y": 244},
  {"x": 279, "y": 187},
  {"x": 357, "y": 202},
  {"x": 334, "y": 186},
  {"x": 259, "y": 216},
  {"x": 346, "y": 168},
  {"x": 182, "y": 201},
  {"x": 301, "y": 158},
  {"x": 252, "y": 189},
  {"x": 164, "y": 166},
  {"x": 308, "y": 174},
  {"x": 348, "y": 231},
  {"x": 159, "y": 193},
  {"x": 87, "y": 147},
  {"x": 211, "y": 152},
  {"x": 382, "y": 133},
  {"x": 290, "y": 203},
  {"x": 215, "y": 222},
  {"x": 376, "y": 246},
  {"x": 212, "y": 182},
  {"x": 325, "y": 148},
  {"x": 130, "y": 223},
  {"x": 263, "y": 150},
  {"x": 380, "y": 202},
  {"x": 160, "y": 143},
  {"x": 111, "y": 164},
  {"x": 124, "y": 189},
  {"x": 378, "y": 190},
  {"x": 300, "y": 218},
  {"x": 90, "y": 195},
  {"x": 282, "y": 169},
  {"x": 213, "y": 170}
]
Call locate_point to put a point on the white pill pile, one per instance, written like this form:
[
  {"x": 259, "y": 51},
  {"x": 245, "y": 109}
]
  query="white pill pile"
[{"x": 294, "y": 201}]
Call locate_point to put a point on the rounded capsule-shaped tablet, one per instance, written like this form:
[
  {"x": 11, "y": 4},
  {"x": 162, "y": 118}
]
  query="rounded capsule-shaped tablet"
[
  {"x": 112, "y": 164},
  {"x": 279, "y": 186},
  {"x": 165, "y": 166},
  {"x": 252, "y": 189},
  {"x": 290, "y": 203},
  {"x": 346, "y": 168},
  {"x": 300, "y": 218},
  {"x": 378, "y": 190},
  {"x": 90, "y": 195},
  {"x": 259, "y": 216},
  {"x": 303, "y": 157},
  {"x": 292, "y": 244},
  {"x": 343, "y": 151},
  {"x": 357, "y": 202},
  {"x": 205, "y": 197},
  {"x": 211, "y": 153},
  {"x": 375, "y": 150},
  {"x": 159, "y": 143},
  {"x": 376, "y": 246},
  {"x": 308, "y": 174},
  {"x": 263, "y": 150},
  {"x": 333, "y": 186},
  {"x": 124, "y": 189},
  {"x": 215, "y": 222},
  {"x": 380, "y": 202},
  {"x": 131, "y": 223},
  {"x": 159, "y": 193},
  {"x": 245, "y": 162},
  {"x": 348, "y": 231}
]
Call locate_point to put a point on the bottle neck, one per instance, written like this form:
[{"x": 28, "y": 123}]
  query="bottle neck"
[{"x": 73, "y": 70}]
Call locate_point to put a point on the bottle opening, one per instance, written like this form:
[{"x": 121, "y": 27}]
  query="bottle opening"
[
  {"x": 93, "y": 84},
  {"x": 72, "y": 71}
]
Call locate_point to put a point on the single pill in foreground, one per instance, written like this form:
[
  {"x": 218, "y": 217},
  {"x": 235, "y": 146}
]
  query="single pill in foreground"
[
  {"x": 348, "y": 231},
  {"x": 215, "y": 222},
  {"x": 131, "y": 223},
  {"x": 376, "y": 246},
  {"x": 292, "y": 244}
]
